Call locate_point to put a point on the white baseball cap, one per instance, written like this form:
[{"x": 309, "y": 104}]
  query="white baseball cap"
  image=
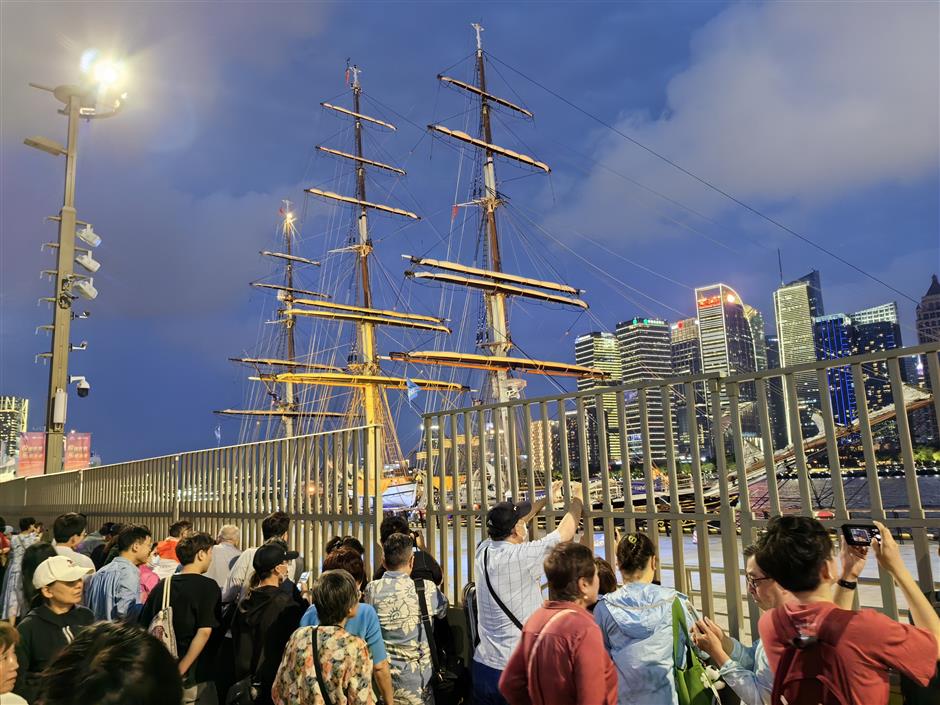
[{"x": 58, "y": 568}]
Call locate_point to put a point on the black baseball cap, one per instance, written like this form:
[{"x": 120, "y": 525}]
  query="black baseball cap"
[
  {"x": 502, "y": 517},
  {"x": 270, "y": 556}
]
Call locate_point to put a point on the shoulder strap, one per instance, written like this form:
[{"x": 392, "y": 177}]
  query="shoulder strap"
[
  {"x": 678, "y": 626},
  {"x": 166, "y": 592},
  {"x": 538, "y": 640},
  {"x": 426, "y": 621},
  {"x": 489, "y": 586},
  {"x": 316, "y": 664}
]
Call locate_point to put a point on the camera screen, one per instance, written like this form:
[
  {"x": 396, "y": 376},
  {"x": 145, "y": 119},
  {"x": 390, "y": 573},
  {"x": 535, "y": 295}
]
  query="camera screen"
[{"x": 860, "y": 534}]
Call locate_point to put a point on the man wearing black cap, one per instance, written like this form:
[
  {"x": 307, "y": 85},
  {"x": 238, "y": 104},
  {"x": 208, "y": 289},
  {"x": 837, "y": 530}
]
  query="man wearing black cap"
[
  {"x": 509, "y": 573},
  {"x": 265, "y": 619}
]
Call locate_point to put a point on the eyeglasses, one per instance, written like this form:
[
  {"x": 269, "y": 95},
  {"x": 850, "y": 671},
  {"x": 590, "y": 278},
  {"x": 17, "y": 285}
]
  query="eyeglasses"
[{"x": 752, "y": 583}]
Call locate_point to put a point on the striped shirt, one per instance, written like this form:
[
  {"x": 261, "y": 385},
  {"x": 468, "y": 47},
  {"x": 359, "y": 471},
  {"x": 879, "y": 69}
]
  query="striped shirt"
[{"x": 515, "y": 570}]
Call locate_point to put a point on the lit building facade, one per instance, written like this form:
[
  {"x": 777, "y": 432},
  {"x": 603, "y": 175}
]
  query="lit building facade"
[
  {"x": 600, "y": 350},
  {"x": 687, "y": 360},
  {"x": 928, "y": 331},
  {"x": 724, "y": 331},
  {"x": 836, "y": 338},
  {"x": 796, "y": 343},
  {"x": 14, "y": 413},
  {"x": 645, "y": 354}
]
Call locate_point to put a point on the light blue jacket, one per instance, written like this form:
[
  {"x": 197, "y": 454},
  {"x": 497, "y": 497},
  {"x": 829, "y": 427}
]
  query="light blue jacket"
[
  {"x": 748, "y": 673},
  {"x": 636, "y": 621}
]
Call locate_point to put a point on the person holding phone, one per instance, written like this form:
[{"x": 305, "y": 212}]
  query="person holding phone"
[{"x": 861, "y": 647}]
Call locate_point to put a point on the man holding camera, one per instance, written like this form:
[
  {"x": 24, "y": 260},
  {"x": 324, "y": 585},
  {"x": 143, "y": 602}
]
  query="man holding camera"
[
  {"x": 855, "y": 649},
  {"x": 509, "y": 575}
]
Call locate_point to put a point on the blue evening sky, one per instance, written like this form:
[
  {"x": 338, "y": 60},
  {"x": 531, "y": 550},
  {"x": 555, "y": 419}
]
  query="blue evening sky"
[{"x": 822, "y": 115}]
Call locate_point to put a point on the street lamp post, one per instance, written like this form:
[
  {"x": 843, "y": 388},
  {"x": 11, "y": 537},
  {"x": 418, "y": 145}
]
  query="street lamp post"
[{"x": 80, "y": 102}]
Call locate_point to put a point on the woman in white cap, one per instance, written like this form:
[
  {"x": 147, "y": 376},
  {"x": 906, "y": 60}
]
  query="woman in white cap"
[{"x": 52, "y": 623}]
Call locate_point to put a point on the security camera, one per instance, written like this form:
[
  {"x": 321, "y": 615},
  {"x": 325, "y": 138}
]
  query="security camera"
[{"x": 81, "y": 385}]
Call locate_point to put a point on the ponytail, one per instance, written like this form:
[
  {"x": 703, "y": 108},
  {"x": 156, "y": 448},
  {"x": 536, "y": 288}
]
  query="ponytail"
[{"x": 634, "y": 552}]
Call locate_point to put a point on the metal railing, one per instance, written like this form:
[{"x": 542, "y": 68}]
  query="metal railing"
[
  {"x": 471, "y": 467},
  {"x": 326, "y": 482}
]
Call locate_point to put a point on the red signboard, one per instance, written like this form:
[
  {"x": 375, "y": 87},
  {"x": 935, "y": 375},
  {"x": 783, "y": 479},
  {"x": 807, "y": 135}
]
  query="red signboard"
[
  {"x": 77, "y": 451},
  {"x": 32, "y": 454}
]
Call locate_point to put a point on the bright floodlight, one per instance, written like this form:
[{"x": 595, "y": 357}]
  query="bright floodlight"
[
  {"x": 104, "y": 71},
  {"x": 88, "y": 236},
  {"x": 88, "y": 262},
  {"x": 86, "y": 288}
]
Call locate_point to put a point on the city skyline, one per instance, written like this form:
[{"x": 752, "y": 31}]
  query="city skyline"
[{"x": 185, "y": 186}]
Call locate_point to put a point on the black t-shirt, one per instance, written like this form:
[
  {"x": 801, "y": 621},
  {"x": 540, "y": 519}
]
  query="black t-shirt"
[{"x": 197, "y": 602}]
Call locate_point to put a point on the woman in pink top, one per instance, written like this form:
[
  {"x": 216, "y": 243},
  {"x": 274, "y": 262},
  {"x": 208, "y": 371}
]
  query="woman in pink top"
[
  {"x": 148, "y": 578},
  {"x": 561, "y": 656}
]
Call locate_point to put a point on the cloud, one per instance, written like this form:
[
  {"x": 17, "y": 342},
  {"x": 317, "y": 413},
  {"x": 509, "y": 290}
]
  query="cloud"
[{"x": 783, "y": 104}]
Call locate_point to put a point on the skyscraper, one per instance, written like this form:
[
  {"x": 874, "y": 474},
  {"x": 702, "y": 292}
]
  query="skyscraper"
[
  {"x": 13, "y": 419},
  {"x": 687, "y": 360},
  {"x": 645, "y": 354},
  {"x": 793, "y": 313},
  {"x": 885, "y": 313},
  {"x": 871, "y": 338},
  {"x": 836, "y": 337},
  {"x": 600, "y": 350},
  {"x": 928, "y": 331},
  {"x": 776, "y": 409},
  {"x": 724, "y": 332},
  {"x": 756, "y": 321},
  {"x": 814, "y": 282}
]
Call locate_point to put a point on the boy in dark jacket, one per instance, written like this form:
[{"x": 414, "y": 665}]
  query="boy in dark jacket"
[
  {"x": 53, "y": 623},
  {"x": 265, "y": 619}
]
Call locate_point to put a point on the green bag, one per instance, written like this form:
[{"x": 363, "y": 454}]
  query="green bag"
[{"x": 692, "y": 683}]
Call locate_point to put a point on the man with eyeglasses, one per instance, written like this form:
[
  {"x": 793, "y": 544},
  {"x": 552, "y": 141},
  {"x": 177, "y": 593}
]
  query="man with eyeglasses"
[{"x": 746, "y": 669}]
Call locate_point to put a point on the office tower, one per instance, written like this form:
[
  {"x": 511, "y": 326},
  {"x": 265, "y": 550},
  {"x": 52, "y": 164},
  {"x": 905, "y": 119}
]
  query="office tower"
[
  {"x": 871, "y": 338},
  {"x": 814, "y": 282},
  {"x": 756, "y": 321},
  {"x": 928, "y": 331},
  {"x": 888, "y": 313},
  {"x": 600, "y": 350},
  {"x": 776, "y": 408},
  {"x": 13, "y": 419},
  {"x": 686, "y": 361},
  {"x": 581, "y": 471},
  {"x": 724, "y": 332},
  {"x": 793, "y": 313},
  {"x": 645, "y": 354},
  {"x": 885, "y": 313},
  {"x": 835, "y": 338},
  {"x": 544, "y": 456}
]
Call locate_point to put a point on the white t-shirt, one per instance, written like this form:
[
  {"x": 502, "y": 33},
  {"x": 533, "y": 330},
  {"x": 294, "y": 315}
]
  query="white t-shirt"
[
  {"x": 12, "y": 699},
  {"x": 76, "y": 557}
]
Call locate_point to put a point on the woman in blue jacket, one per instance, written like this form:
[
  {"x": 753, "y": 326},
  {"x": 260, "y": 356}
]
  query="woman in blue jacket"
[{"x": 636, "y": 621}]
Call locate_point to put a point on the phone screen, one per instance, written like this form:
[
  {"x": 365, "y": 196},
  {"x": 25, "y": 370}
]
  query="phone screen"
[{"x": 304, "y": 577}]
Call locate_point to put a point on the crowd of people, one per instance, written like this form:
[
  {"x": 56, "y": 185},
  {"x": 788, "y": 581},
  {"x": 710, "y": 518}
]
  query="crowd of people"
[{"x": 116, "y": 616}]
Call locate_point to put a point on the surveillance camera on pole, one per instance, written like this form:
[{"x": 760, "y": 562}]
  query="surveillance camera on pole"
[{"x": 82, "y": 387}]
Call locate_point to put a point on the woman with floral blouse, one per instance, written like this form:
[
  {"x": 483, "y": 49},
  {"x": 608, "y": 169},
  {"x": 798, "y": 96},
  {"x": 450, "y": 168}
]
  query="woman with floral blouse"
[
  {"x": 396, "y": 603},
  {"x": 344, "y": 658}
]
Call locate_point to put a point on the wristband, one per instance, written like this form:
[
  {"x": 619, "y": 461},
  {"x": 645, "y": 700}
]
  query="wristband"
[{"x": 847, "y": 584}]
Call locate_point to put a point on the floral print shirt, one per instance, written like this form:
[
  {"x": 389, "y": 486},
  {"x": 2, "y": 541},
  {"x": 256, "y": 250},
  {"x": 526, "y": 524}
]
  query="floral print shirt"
[
  {"x": 396, "y": 603},
  {"x": 344, "y": 660}
]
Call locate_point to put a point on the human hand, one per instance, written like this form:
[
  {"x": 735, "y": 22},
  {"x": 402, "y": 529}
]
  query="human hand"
[
  {"x": 708, "y": 637},
  {"x": 853, "y": 560},
  {"x": 577, "y": 491},
  {"x": 887, "y": 552},
  {"x": 419, "y": 539}
]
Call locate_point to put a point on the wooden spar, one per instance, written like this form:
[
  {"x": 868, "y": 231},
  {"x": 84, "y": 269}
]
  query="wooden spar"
[
  {"x": 489, "y": 96},
  {"x": 276, "y": 412},
  {"x": 496, "y": 149},
  {"x": 280, "y": 287},
  {"x": 351, "y": 380},
  {"x": 496, "y": 287},
  {"x": 361, "y": 160},
  {"x": 363, "y": 204},
  {"x": 344, "y": 111},
  {"x": 376, "y": 320},
  {"x": 290, "y": 258},
  {"x": 494, "y": 363},
  {"x": 273, "y": 362},
  {"x": 370, "y": 311},
  {"x": 498, "y": 276}
]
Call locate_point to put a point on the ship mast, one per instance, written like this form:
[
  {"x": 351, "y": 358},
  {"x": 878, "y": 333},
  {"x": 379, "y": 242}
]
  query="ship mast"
[
  {"x": 498, "y": 342},
  {"x": 289, "y": 404}
]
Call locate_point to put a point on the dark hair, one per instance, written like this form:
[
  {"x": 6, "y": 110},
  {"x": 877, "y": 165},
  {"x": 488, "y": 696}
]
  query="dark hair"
[
  {"x": 393, "y": 524},
  {"x": 26, "y": 522},
  {"x": 608, "y": 579},
  {"x": 338, "y": 542},
  {"x": 634, "y": 552},
  {"x": 110, "y": 663},
  {"x": 793, "y": 550},
  {"x": 9, "y": 637},
  {"x": 347, "y": 559},
  {"x": 68, "y": 525},
  {"x": 131, "y": 534},
  {"x": 176, "y": 530},
  {"x": 750, "y": 550},
  {"x": 396, "y": 550},
  {"x": 189, "y": 547},
  {"x": 564, "y": 566},
  {"x": 32, "y": 557},
  {"x": 334, "y": 593},
  {"x": 274, "y": 525},
  {"x": 3, "y": 524}
]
